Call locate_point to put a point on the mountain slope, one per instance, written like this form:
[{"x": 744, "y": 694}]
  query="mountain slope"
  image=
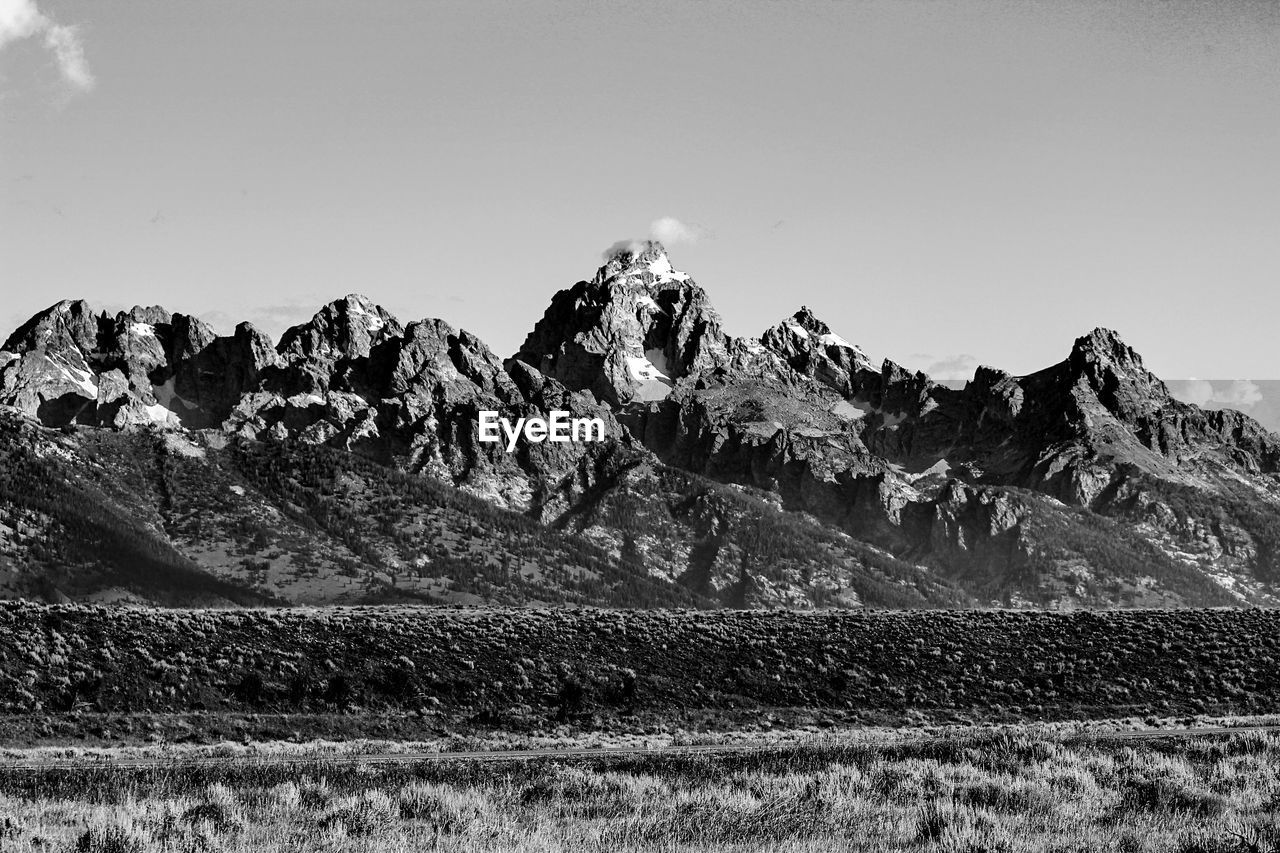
[
  {"x": 70, "y": 529},
  {"x": 978, "y": 483},
  {"x": 346, "y": 464}
]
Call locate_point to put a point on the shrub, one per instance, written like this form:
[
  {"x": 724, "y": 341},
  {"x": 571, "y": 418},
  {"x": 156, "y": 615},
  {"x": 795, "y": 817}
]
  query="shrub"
[
  {"x": 1172, "y": 795},
  {"x": 220, "y": 809},
  {"x": 286, "y": 796},
  {"x": 931, "y": 822},
  {"x": 398, "y": 681},
  {"x": 338, "y": 691},
  {"x": 370, "y": 813},
  {"x": 447, "y": 808},
  {"x": 1249, "y": 743},
  {"x": 570, "y": 697},
  {"x": 1004, "y": 796},
  {"x": 111, "y": 839},
  {"x": 250, "y": 689},
  {"x": 581, "y": 793},
  {"x": 314, "y": 795},
  {"x": 299, "y": 690}
]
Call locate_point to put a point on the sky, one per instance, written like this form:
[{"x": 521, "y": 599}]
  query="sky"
[{"x": 944, "y": 183}]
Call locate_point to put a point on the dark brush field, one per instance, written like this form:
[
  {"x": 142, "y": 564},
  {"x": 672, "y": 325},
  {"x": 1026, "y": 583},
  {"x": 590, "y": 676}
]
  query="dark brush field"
[{"x": 124, "y": 675}]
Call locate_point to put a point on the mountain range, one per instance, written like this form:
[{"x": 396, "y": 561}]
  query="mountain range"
[{"x": 146, "y": 458}]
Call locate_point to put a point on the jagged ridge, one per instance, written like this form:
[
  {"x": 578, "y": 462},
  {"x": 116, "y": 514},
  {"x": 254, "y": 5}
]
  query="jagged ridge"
[{"x": 1059, "y": 486}]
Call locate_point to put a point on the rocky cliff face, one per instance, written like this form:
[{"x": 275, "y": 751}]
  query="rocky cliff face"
[
  {"x": 410, "y": 396},
  {"x": 1071, "y": 429},
  {"x": 781, "y": 469},
  {"x": 935, "y": 474},
  {"x": 67, "y": 365},
  {"x": 630, "y": 333}
]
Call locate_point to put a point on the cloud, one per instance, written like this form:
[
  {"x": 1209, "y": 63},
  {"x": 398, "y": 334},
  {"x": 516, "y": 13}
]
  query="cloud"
[
  {"x": 671, "y": 231},
  {"x": 1198, "y": 392},
  {"x": 960, "y": 366},
  {"x": 630, "y": 247},
  {"x": 1237, "y": 394},
  {"x": 1241, "y": 392},
  {"x": 20, "y": 19},
  {"x": 668, "y": 231}
]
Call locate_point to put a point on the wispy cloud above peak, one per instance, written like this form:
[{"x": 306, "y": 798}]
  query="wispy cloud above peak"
[
  {"x": 668, "y": 231},
  {"x": 671, "y": 231},
  {"x": 22, "y": 19}
]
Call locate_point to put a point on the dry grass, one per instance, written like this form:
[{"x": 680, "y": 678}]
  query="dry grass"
[{"x": 1010, "y": 790}]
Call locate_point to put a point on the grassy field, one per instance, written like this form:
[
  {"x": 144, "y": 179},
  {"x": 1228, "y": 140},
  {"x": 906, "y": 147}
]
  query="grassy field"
[{"x": 1014, "y": 789}]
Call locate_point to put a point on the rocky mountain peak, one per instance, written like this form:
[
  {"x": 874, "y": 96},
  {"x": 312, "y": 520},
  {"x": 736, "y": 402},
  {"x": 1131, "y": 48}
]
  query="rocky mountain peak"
[
  {"x": 189, "y": 335},
  {"x": 799, "y": 419},
  {"x": 153, "y": 315},
  {"x": 639, "y": 263},
  {"x": 137, "y": 343},
  {"x": 807, "y": 320},
  {"x": 631, "y": 332},
  {"x": 1116, "y": 374},
  {"x": 141, "y": 366},
  {"x": 803, "y": 330},
  {"x": 808, "y": 346},
  {"x": 346, "y": 328},
  {"x": 69, "y": 324},
  {"x": 1103, "y": 348}
]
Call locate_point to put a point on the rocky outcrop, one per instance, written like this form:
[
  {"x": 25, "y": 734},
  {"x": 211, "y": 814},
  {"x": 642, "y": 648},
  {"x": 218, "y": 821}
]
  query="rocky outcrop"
[
  {"x": 1068, "y": 429},
  {"x": 410, "y": 396},
  {"x": 142, "y": 366},
  {"x": 44, "y": 366},
  {"x": 976, "y": 530},
  {"x": 808, "y": 346},
  {"x": 68, "y": 326},
  {"x": 630, "y": 333},
  {"x": 210, "y": 373}
]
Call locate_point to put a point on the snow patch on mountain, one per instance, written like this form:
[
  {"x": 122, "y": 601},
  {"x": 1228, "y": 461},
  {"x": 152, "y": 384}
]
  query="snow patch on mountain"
[
  {"x": 84, "y": 379},
  {"x": 302, "y": 401},
  {"x": 849, "y": 411},
  {"x": 831, "y": 339},
  {"x": 373, "y": 321},
  {"x": 797, "y": 328},
  {"x": 940, "y": 468},
  {"x": 654, "y": 384},
  {"x": 158, "y": 413},
  {"x": 662, "y": 269},
  {"x": 643, "y": 369},
  {"x": 142, "y": 330}
]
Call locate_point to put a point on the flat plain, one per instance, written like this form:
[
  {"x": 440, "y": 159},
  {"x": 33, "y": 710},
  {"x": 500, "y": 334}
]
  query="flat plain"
[
  {"x": 1016, "y": 788},
  {"x": 966, "y": 755}
]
